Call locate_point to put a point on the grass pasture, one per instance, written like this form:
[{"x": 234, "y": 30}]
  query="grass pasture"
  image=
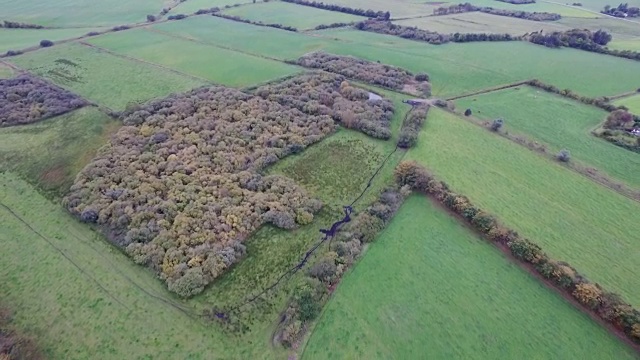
[
  {"x": 618, "y": 28},
  {"x": 18, "y": 39},
  {"x": 219, "y": 65},
  {"x": 631, "y": 102},
  {"x": 397, "y": 8},
  {"x": 101, "y": 77},
  {"x": 77, "y": 13},
  {"x": 558, "y": 122},
  {"x": 571, "y": 217},
  {"x": 191, "y": 6},
  {"x": 631, "y": 44},
  {"x": 299, "y": 16},
  {"x": 419, "y": 292},
  {"x": 5, "y": 71},
  {"x": 50, "y": 153},
  {"x": 540, "y": 6},
  {"x": 477, "y": 22}
]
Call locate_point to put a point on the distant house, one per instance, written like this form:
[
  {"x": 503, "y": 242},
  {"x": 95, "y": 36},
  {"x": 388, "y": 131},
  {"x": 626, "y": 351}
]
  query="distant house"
[{"x": 635, "y": 131}]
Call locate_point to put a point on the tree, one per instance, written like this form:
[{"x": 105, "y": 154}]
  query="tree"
[
  {"x": 601, "y": 37},
  {"x": 467, "y": 112},
  {"x": 151, "y": 18},
  {"x": 46, "y": 43},
  {"x": 497, "y": 124},
  {"x": 564, "y": 155}
]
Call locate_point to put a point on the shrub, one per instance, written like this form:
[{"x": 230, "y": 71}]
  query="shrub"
[
  {"x": 588, "y": 294},
  {"x": 497, "y": 124},
  {"x": 46, "y": 43},
  {"x": 13, "y": 53},
  {"x": 422, "y": 77},
  {"x": 151, "y": 18},
  {"x": 188, "y": 285},
  {"x": 467, "y": 112},
  {"x": 564, "y": 155}
]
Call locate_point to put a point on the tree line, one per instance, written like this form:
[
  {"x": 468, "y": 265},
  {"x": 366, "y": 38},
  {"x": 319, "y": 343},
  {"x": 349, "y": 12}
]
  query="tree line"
[
  {"x": 411, "y": 126},
  {"x": 26, "y": 99},
  {"x": 610, "y": 307},
  {"x": 18, "y": 25},
  {"x": 258, "y": 23},
  {"x": 343, "y": 9},
  {"x": 373, "y": 73},
  {"x": 179, "y": 187},
  {"x": 518, "y": 2},
  {"x": 621, "y": 11},
  {"x": 467, "y": 7}
]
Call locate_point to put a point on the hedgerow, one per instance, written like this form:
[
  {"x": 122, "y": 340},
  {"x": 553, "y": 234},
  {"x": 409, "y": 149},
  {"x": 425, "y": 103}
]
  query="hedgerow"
[
  {"x": 467, "y": 7},
  {"x": 26, "y": 99}
]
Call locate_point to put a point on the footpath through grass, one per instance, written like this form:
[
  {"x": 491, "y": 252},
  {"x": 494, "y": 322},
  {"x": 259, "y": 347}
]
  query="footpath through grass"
[
  {"x": 558, "y": 122},
  {"x": 571, "y": 217},
  {"x": 429, "y": 288}
]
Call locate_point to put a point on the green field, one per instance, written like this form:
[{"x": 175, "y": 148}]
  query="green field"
[
  {"x": 559, "y": 122},
  {"x": 571, "y": 217},
  {"x": 106, "y": 79},
  {"x": 5, "y": 71},
  {"x": 540, "y": 6},
  {"x": 397, "y": 8},
  {"x": 50, "y": 153},
  {"x": 191, "y": 6},
  {"x": 632, "y": 44},
  {"x": 477, "y": 22},
  {"x": 298, "y": 16},
  {"x": 597, "y": 5},
  {"x": 619, "y": 29},
  {"x": 428, "y": 288},
  {"x": 631, "y": 102},
  {"x": 454, "y": 68},
  {"x": 76, "y": 13},
  {"x": 219, "y": 65},
  {"x": 18, "y": 39}
]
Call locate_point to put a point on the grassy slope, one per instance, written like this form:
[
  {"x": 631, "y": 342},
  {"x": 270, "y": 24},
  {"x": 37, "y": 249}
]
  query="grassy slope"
[
  {"x": 559, "y": 122},
  {"x": 53, "y": 151},
  {"x": 454, "y": 68},
  {"x": 101, "y": 77},
  {"x": 476, "y": 22},
  {"x": 420, "y": 292},
  {"x": 218, "y": 65},
  {"x": 298, "y": 16},
  {"x": 631, "y": 102},
  {"x": 5, "y": 71},
  {"x": 18, "y": 39},
  {"x": 571, "y": 217},
  {"x": 77, "y": 13}
]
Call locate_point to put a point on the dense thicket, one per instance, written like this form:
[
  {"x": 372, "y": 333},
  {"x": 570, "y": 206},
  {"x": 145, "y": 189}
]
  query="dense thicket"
[
  {"x": 413, "y": 33},
  {"x": 323, "y": 93},
  {"x": 621, "y": 11},
  {"x": 332, "y": 26},
  {"x": 581, "y": 39},
  {"x": 608, "y": 306},
  {"x": 467, "y": 7},
  {"x": 374, "y": 73},
  {"x": 343, "y": 9},
  {"x": 18, "y": 25},
  {"x": 26, "y": 99},
  {"x": 258, "y": 23},
  {"x": 411, "y": 126}
]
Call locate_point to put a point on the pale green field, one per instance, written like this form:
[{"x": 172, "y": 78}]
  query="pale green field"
[
  {"x": 428, "y": 288},
  {"x": 106, "y": 79},
  {"x": 67, "y": 13},
  {"x": 18, "y": 39},
  {"x": 298, "y": 16},
  {"x": 560, "y": 123},
  {"x": 631, "y": 102},
  {"x": 571, "y": 217},
  {"x": 632, "y": 44},
  {"x": 477, "y": 22},
  {"x": 219, "y": 65}
]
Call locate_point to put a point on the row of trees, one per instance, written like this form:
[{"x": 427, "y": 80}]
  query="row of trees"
[
  {"x": 25, "y": 99},
  {"x": 518, "y": 2},
  {"x": 581, "y": 39},
  {"x": 259, "y": 23},
  {"x": 411, "y": 126},
  {"x": 373, "y": 73},
  {"x": 343, "y": 9},
  {"x": 467, "y": 7},
  {"x": 608, "y": 306},
  {"x": 622, "y": 11},
  {"x": 323, "y": 93},
  {"x": 311, "y": 292},
  {"x": 18, "y": 25},
  {"x": 431, "y": 37}
]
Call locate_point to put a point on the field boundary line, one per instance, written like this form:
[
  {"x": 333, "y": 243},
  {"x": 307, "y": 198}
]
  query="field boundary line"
[
  {"x": 605, "y": 180},
  {"x": 82, "y": 271},
  {"x": 488, "y": 90},
  {"x": 127, "y": 57}
]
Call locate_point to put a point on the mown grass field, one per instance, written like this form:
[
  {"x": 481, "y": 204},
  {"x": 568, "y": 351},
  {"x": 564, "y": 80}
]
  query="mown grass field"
[
  {"x": 298, "y": 16},
  {"x": 561, "y": 123},
  {"x": 571, "y": 217},
  {"x": 67, "y": 13},
  {"x": 455, "y": 69},
  {"x": 618, "y": 28},
  {"x": 18, "y": 39},
  {"x": 631, "y": 102},
  {"x": 50, "y": 153},
  {"x": 191, "y": 6},
  {"x": 430, "y": 288},
  {"x": 477, "y": 22},
  {"x": 221, "y": 66},
  {"x": 540, "y": 6},
  {"x": 101, "y": 77}
]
